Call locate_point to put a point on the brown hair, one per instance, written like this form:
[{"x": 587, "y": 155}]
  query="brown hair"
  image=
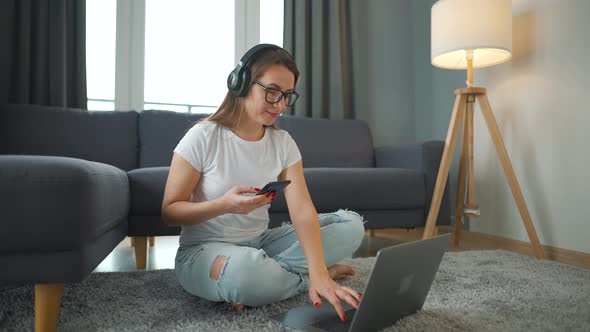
[{"x": 231, "y": 110}]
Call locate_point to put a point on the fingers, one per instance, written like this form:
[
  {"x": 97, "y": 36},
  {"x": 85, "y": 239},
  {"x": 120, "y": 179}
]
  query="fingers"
[
  {"x": 245, "y": 189},
  {"x": 341, "y": 293},
  {"x": 315, "y": 298},
  {"x": 251, "y": 190},
  {"x": 349, "y": 296},
  {"x": 335, "y": 301},
  {"x": 266, "y": 198},
  {"x": 247, "y": 203},
  {"x": 354, "y": 293},
  {"x": 254, "y": 202}
]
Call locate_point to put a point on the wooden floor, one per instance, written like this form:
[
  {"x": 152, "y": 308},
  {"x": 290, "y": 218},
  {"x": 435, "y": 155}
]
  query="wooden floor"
[
  {"x": 480, "y": 241},
  {"x": 161, "y": 256}
]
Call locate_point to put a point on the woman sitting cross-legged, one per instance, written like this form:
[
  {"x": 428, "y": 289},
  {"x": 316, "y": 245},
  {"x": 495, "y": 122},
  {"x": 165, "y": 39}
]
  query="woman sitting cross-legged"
[{"x": 227, "y": 252}]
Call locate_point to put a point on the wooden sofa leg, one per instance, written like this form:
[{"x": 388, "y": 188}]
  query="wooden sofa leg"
[
  {"x": 152, "y": 241},
  {"x": 140, "y": 251},
  {"x": 47, "y": 304}
]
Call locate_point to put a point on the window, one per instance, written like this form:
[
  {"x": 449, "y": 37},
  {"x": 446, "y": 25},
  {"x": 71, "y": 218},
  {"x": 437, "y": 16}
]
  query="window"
[
  {"x": 100, "y": 53},
  {"x": 271, "y": 21},
  {"x": 190, "y": 48},
  {"x": 187, "y": 53}
]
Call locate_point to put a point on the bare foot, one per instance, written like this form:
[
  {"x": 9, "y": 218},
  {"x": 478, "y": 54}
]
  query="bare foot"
[
  {"x": 340, "y": 271},
  {"x": 237, "y": 307}
]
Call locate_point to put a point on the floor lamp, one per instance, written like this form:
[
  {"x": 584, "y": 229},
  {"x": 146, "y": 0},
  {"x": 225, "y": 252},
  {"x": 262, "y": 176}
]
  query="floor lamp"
[{"x": 469, "y": 34}]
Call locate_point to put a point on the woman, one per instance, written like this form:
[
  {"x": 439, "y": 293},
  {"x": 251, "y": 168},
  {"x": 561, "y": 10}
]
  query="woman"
[{"x": 227, "y": 253}]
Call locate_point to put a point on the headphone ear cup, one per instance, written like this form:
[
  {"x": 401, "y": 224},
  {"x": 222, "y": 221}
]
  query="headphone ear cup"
[
  {"x": 244, "y": 79},
  {"x": 233, "y": 81},
  {"x": 238, "y": 81}
]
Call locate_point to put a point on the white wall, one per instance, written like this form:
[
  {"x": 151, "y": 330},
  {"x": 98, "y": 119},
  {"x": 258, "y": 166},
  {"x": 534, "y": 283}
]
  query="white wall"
[{"x": 540, "y": 100}]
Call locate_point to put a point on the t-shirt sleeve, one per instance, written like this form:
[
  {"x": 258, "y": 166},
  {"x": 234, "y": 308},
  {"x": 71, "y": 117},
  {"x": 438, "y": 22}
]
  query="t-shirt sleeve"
[
  {"x": 192, "y": 147},
  {"x": 292, "y": 153}
]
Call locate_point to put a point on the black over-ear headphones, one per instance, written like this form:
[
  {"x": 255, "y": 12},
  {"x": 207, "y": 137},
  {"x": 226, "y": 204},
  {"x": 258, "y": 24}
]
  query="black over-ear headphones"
[{"x": 238, "y": 81}]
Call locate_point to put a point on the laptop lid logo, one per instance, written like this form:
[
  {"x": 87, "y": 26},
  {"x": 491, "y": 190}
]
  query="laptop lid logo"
[{"x": 405, "y": 284}]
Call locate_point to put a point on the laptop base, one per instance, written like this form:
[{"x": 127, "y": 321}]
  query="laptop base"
[{"x": 324, "y": 318}]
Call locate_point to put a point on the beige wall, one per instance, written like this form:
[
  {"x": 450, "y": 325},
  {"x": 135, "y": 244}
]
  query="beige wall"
[{"x": 541, "y": 102}]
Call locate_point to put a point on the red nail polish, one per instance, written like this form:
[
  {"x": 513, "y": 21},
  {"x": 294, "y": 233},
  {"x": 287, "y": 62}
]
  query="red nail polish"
[
  {"x": 344, "y": 319},
  {"x": 257, "y": 189},
  {"x": 267, "y": 195},
  {"x": 317, "y": 305}
]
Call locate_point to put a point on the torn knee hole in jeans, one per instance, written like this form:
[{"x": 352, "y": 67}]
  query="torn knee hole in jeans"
[{"x": 218, "y": 267}]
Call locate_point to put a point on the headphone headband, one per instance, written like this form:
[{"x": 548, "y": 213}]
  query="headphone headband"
[
  {"x": 239, "y": 79},
  {"x": 249, "y": 56}
]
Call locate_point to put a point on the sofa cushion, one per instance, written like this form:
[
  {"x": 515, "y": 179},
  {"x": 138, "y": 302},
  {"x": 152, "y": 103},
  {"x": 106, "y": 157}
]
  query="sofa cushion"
[
  {"x": 147, "y": 190},
  {"x": 330, "y": 189},
  {"x": 362, "y": 189},
  {"x": 106, "y": 137},
  {"x": 52, "y": 204},
  {"x": 160, "y": 132},
  {"x": 331, "y": 143}
]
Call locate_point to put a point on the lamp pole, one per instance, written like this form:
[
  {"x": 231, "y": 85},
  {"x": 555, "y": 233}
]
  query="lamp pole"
[
  {"x": 471, "y": 208},
  {"x": 469, "y": 57}
]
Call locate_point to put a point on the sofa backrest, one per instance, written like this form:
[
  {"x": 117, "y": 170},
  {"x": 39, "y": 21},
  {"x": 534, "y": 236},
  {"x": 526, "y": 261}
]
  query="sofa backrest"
[
  {"x": 106, "y": 137},
  {"x": 331, "y": 143},
  {"x": 129, "y": 140},
  {"x": 160, "y": 132},
  {"x": 323, "y": 143}
]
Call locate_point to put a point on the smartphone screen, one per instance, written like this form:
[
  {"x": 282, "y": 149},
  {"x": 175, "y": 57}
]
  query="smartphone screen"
[{"x": 277, "y": 186}]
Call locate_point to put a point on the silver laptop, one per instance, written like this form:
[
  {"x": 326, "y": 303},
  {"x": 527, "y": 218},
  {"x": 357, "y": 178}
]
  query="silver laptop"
[{"x": 397, "y": 287}]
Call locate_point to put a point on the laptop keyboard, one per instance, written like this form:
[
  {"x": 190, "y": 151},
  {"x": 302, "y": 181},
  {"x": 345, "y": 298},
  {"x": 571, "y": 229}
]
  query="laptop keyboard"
[{"x": 335, "y": 323}]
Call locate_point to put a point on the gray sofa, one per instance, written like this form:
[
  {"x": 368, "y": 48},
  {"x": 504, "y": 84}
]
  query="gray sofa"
[{"x": 74, "y": 183}]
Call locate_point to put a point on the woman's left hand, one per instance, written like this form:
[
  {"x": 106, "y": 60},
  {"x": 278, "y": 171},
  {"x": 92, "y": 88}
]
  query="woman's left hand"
[{"x": 324, "y": 286}]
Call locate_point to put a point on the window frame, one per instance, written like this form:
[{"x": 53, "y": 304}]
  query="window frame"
[{"x": 130, "y": 49}]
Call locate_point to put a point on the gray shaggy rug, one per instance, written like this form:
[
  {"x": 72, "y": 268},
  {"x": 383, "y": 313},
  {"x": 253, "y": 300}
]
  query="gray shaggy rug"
[{"x": 472, "y": 291}]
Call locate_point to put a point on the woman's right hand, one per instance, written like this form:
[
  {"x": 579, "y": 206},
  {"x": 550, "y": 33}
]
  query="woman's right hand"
[{"x": 237, "y": 203}]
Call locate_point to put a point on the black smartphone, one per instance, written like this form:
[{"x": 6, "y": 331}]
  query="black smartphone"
[{"x": 277, "y": 186}]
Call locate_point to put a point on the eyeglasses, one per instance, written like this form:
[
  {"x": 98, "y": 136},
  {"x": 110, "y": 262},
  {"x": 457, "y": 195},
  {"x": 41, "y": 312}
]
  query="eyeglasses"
[{"x": 273, "y": 95}]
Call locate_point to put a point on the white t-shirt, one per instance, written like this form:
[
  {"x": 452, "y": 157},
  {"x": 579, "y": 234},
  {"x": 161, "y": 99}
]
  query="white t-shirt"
[{"x": 225, "y": 160}]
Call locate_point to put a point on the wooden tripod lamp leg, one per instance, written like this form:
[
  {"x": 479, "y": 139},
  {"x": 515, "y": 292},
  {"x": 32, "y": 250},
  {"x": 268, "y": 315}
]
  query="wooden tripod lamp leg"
[
  {"x": 461, "y": 184},
  {"x": 488, "y": 115},
  {"x": 445, "y": 165}
]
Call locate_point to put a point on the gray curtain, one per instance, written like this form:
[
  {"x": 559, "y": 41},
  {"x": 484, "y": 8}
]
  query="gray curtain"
[
  {"x": 317, "y": 33},
  {"x": 43, "y": 58}
]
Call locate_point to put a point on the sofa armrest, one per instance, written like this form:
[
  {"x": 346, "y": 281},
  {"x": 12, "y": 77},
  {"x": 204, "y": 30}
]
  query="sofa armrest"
[
  {"x": 423, "y": 156},
  {"x": 58, "y": 203}
]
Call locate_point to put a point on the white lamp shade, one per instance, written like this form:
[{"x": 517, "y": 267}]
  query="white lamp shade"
[{"x": 484, "y": 26}]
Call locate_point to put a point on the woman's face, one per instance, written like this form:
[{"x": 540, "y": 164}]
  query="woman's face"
[{"x": 258, "y": 109}]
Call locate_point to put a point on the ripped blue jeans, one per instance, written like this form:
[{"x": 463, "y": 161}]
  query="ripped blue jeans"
[{"x": 269, "y": 268}]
